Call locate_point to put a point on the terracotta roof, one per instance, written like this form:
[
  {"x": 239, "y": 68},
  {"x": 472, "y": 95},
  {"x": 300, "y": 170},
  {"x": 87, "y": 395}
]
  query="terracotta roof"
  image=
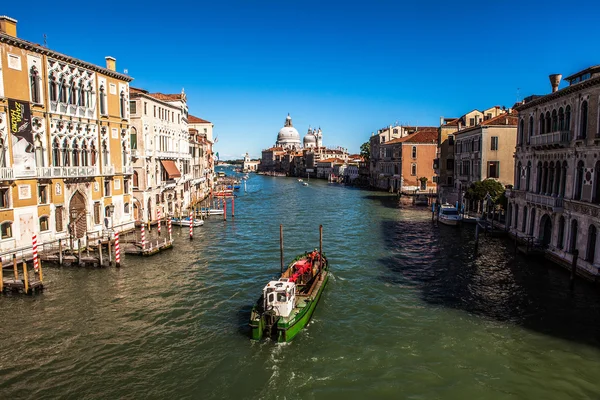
[
  {"x": 137, "y": 90},
  {"x": 196, "y": 120},
  {"x": 503, "y": 119},
  {"x": 166, "y": 97},
  {"x": 329, "y": 160},
  {"x": 422, "y": 136}
]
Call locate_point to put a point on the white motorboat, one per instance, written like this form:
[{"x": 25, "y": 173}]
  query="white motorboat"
[
  {"x": 186, "y": 222},
  {"x": 211, "y": 211},
  {"x": 449, "y": 215}
]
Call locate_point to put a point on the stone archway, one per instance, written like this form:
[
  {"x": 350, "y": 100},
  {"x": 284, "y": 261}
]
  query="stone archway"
[
  {"x": 545, "y": 230},
  {"x": 77, "y": 215}
]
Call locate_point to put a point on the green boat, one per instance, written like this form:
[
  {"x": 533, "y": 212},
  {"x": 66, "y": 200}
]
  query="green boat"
[{"x": 287, "y": 304}]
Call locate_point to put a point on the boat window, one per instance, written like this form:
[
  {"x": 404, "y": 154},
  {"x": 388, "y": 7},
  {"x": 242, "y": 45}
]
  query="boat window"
[
  {"x": 271, "y": 298},
  {"x": 450, "y": 212},
  {"x": 281, "y": 297}
]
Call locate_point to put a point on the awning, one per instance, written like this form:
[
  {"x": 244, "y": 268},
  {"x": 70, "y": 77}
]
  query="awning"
[{"x": 171, "y": 168}]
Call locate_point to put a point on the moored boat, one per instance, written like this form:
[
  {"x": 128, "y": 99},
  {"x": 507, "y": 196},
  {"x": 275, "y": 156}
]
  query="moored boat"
[
  {"x": 186, "y": 222},
  {"x": 287, "y": 304},
  {"x": 211, "y": 211},
  {"x": 449, "y": 215}
]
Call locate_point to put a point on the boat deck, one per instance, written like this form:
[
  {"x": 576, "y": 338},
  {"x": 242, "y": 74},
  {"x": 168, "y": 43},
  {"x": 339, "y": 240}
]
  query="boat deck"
[{"x": 300, "y": 299}]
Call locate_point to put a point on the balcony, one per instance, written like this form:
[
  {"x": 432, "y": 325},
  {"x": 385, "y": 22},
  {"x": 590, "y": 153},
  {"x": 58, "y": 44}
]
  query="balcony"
[
  {"x": 135, "y": 153},
  {"x": 549, "y": 202},
  {"x": 128, "y": 169},
  {"x": 6, "y": 173},
  {"x": 67, "y": 172},
  {"x": 169, "y": 184},
  {"x": 549, "y": 140},
  {"x": 108, "y": 170}
]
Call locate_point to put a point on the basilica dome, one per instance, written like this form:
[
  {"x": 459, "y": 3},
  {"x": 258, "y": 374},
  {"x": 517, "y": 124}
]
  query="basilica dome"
[
  {"x": 310, "y": 140},
  {"x": 288, "y": 136}
]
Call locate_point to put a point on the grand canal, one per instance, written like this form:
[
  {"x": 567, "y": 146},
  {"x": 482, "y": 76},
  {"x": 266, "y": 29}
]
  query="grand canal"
[{"x": 409, "y": 313}]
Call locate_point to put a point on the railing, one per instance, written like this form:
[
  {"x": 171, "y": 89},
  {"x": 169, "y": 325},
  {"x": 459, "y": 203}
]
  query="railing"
[
  {"x": 550, "y": 139},
  {"x": 135, "y": 153},
  {"x": 128, "y": 169},
  {"x": 170, "y": 184},
  {"x": 67, "y": 172},
  {"x": 108, "y": 170},
  {"x": 542, "y": 200},
  {"x": 6, "y": 173},
  {"x": 149, "y": 152}
]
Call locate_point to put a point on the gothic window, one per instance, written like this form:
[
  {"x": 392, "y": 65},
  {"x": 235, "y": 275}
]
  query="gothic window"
[
  {"x": 591, "y": 244},
  {"x": 518, "y": 175},
  {"x": 538, "y": 175},
  {"x": 577, "y": 194},
  {"x": 105, "y": 153},
  {"x": 65, "y": 153},
  {"x": 62, "y": 91},
  {"x": 2, "y": 154},
  {"x": 56, "y": 153},
  {"x": 34, "y": 80},
  {"x": 75, "y": 154},
  {"x": 123, "y": 105},
  {"x": 548, "y": 127},
  {"x": 530, "y": 133},
  {"x": 573, "y": 236},
  {"x": 554, "y": 121},
  {"x": 39, "y": 152},
  {"x": 561, "y": 233},
  {"x": 102, "y": 96},
  {"x": 542, "y": 131},
  {"x": 561, "y": 119},
  {"x": 528, "y": 176},
  {"x": 520, "y": 141},
  {"x": 93, "y": 154},
  {"x": 568, "y": 118},
  {"x": 596, "y": 192},
  {"x": 53, "y": 88},
  {"x": 584, "y": 120},
  {"x": 524, "y": 222},
  {"x": 82, "y": 97},
  {"x": 72, "y": 93},
  {"x": 85, "y": 154}
]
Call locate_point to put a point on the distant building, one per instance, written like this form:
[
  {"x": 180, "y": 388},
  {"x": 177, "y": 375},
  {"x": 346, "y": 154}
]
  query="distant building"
[
  {"x": 250, "y": 165},
  {"x": 556, "y": 193}
]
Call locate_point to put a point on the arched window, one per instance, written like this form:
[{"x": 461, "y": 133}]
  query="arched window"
[
  {"x": 561, "y": 233},
  {"x": 542, "y": 131},
  {"x": 548, "y": 122},
  {"x": 39, "y": 151},
  {"x": 102, "y": 100},
  {"x": 44, "y": 224},
  {"x": 561, "y": 119},
  {"x": 122, "y": 105},
  {"x": 573, "y": 236},
  {"x": 528, "y": 176},
  {"x": 93, "y": 154},
  {"x": 136, "y": 179},
  {"x": 62, "y": 91},
  {"x": 414, "y": 152},
  {"x": 550, "y": 188},
  {"x": 518, "y": 176},
  {"x": 509, "y": 215},
  {"x": 34, "y": 81},
  {"x": 133, "y": 137},
  {"x": 591, "y": 244},
  {"x": 584, "y": 120},
  {"x": 56, "y": 161},
  {"x": 124, "y": 153},
  {"x": 2, "y": 154},
  {"x": 6, "y": 230},
  {"x": 563, "y": 179},
  {"x": 53, "y": 88},
  {"x": 524, "y": 223},
  {"x": 85, "y": 151},
  {"x": 538, "y": 177},
  {"x": 516, "y": 224},
  {"x": 577, "y": 194},
  {"x": 81, "y": 95},
  {"x": 554, "y": 121},
  {"x": 568, "y": 118},
  {"x": 521, "y": 129},
  {"x": 105, "y": 154},
  {"x": 596, "y": 191},
  {"x": 72, "y": 93},
  {"x": 65, "y": 154},
  {"x": 532, "y": 222},
  {"x": 126, "y": 208},
  {"x": 75, "y": 154},
  {"x": 530, "y": 133}
]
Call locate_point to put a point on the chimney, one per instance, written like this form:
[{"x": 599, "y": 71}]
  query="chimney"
[
  {"x": 8, "y": 25},
  {"x": 111, "y": 63},
  {"x": 555, "y": 81},
  {"x": 441, "y": 121},
  {"x": 459, "y": 125}
]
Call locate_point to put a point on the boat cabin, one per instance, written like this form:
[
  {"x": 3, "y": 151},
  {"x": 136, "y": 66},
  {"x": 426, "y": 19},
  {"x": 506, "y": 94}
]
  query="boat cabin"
[{"x": 280, "y": 296}]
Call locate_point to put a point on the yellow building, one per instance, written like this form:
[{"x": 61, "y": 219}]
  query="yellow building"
[{"x": 64, "y": 144}]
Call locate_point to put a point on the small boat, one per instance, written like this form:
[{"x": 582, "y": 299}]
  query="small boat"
[
  {"x": 211, "y": 211},
  {"x": 287, "y": 304},
  {"x": 186, "y": 222},
  {"x": 421, "y": 200},
  {"x": 300, "y": 180},
  {"x": 304, "y": 183},
  {"x": 224, "y": 193},
  {"x": 236, "y": 187},
  {"x": 449, "y": 215}
]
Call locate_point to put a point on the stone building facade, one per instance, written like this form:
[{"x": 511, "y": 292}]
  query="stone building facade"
[
  {"x": 65, "y": 168},
  {"x": 556, "y": 194}
]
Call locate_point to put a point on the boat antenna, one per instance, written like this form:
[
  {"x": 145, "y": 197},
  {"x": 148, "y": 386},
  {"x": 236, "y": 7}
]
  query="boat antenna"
[{"x": 281, "y": 245}]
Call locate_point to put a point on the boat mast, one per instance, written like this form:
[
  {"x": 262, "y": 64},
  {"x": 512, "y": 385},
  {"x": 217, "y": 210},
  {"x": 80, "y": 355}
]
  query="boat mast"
[{"x": 281, "y": 245}]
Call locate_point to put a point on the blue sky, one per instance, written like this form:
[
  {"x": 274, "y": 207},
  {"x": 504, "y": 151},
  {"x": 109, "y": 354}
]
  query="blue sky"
[{"x": 348, "y": 67}]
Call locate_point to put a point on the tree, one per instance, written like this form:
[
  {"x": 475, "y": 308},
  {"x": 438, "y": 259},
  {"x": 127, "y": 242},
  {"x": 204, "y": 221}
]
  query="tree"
[
  {"x": 365, "y": 151},
  {"x": 479, "y": 190}
]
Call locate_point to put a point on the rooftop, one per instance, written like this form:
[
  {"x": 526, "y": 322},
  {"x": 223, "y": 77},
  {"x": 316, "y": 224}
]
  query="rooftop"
[{"x": 195, "y": 120}]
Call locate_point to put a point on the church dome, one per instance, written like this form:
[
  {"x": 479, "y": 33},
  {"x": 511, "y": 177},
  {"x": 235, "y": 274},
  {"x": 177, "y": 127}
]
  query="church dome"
[
  {"x": 288, "y": 135},
  {"x": 310, "y": 140}
]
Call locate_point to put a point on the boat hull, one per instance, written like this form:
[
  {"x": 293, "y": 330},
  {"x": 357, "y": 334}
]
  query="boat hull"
[{"x": 450, "y": 222}]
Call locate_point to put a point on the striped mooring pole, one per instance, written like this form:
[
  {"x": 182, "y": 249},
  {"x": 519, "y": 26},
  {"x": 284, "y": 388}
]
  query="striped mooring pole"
[
  {"x": 158, "y": 216},
  {"x": 191, "y": 226},
  {"x": 143, "y": 237},
  {"x": 36, "y": 262},
  {"x": 117, "y": 251},
  {"x": 170, "y": 230}
]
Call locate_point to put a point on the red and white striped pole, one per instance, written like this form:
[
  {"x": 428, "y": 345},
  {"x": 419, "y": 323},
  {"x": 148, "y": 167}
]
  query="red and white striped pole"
[
  {"x": 158, "y": 216},
  {"x": 191, "y": 226},
  {"x": 143, "y": 237},
  {"x": 117, "y": 251},
  {"x": 170, "y": 229},
  {"x": 233, "y": 207},
  {"x": 35, "y": 252},
  {"x": 224, "y": 208}
]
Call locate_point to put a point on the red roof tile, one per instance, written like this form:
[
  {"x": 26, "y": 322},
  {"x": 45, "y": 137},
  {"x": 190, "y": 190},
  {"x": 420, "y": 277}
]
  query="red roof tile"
[
  {"x": 422, "y": 136},
  {"x": 166, "y": 97},
  {"x": 196, "y": 120},
  {"x": 503, "y": 119}
]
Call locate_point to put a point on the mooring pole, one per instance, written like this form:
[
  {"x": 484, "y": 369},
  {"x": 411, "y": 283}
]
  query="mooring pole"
[
  {"x": 191, "y": 226},
  {"x": 432, "y": 212},
  {"x": 233, "y": 207},
  {"x": 476, "y": 238},
  {"x": 109, "y": 251},
  {"x": 25, "y": 277},
  {"x": 224, "y": 209},
  {"x": 100, "y": 251},
  {"x": 117, "y": 251},
  {"x": 573, "y": 269},
  {"x": 1, "y": 278},
  {"x": 15, "y": 267},
  {"x": 87, "y": 245},
  {"x": 281, "y": 245},
  {"x": 60, "y": 253},
  {"x": 79, "y": 250}
]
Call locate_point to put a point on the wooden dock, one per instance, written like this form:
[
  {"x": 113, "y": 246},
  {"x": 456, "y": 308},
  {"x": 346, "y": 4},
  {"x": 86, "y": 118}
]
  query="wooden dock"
[
  {"x": 150, "y": 248},
  {"x": 18, "y": 286}
]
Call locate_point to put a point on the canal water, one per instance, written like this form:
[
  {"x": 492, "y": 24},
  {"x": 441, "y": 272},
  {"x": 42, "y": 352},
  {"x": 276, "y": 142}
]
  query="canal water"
[{"x": 409, "y": 313}]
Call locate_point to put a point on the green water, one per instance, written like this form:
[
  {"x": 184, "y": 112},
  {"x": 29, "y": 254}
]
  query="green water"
[{"x": 409, "y": 313}]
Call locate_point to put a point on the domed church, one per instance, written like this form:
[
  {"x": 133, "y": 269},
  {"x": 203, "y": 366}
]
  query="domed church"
[
  {"x": 313, "y": 138},
  {"x": 288, "y": 136}
]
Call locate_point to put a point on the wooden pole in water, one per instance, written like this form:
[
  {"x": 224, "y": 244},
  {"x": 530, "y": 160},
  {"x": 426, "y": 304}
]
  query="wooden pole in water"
[
  {"x": 60, "y": 252},
  {"x": 573, "y": 269},
  {"x": 15, "y": 267},
  {"x": 79, "y": 250},
  {"x": 233, "y": 207},
  {"x": 109, "y": 251},
  {"x": 281, "y": 245},
  {"x": 25, "y": 277},
  {"x": 87, "y": 245},
  {"x": 224, "y": 209},
  {"x": 476, "y": 238},
  {"x": 1, "y": 278},
  {"x": 100, "y": 251}
]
